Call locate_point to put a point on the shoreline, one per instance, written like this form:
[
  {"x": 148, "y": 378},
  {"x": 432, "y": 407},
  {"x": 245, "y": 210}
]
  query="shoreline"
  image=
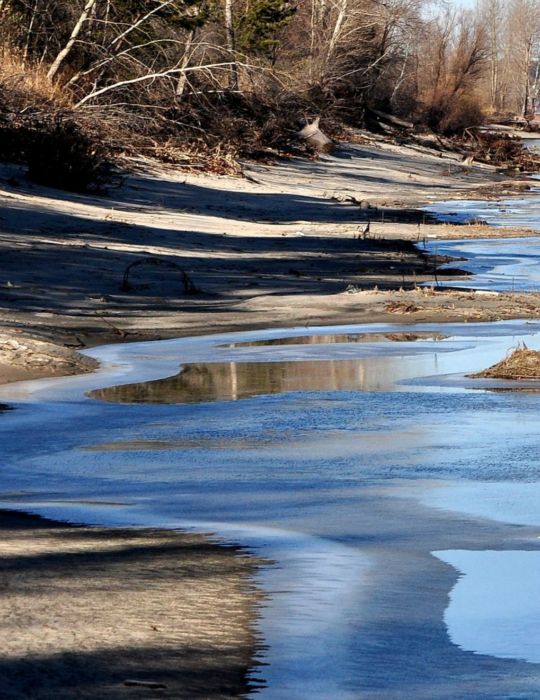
[
  {"x": 380, "y": 274},
  {"x": 24, "y": 358},
  {"x": 286, "y": 244}
]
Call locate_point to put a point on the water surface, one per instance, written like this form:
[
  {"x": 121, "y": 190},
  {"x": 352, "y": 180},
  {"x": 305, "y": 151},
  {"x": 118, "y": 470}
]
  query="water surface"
[
  {"x": 503, "y": 264},
  {"x": 353, "y": 482},
  {"x": 494, "y": 608},
  {"x": 509, "y": 265},
  {"x": 521, "y": 212}
]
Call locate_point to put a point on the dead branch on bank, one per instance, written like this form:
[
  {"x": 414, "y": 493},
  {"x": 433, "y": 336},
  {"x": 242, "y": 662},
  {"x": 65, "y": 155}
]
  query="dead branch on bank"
[{"x": 189, "y": 288}]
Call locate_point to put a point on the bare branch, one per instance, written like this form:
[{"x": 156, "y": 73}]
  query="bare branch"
[
  {"x": 153, "y": 76},
  {"x": 141, "y": 21}
]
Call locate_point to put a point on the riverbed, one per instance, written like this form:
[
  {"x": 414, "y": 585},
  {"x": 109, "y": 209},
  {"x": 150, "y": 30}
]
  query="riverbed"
[{"x": 397, "y": 497}]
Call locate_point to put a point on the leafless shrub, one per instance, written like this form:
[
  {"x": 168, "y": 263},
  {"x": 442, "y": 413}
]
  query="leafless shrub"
[
  {"x": 455, "y": 113},
  {"x": 61, "y": 154}
]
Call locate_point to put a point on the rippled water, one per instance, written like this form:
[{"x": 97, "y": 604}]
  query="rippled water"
[
  {"x": 508, "y": 265},
  {"x": 517, "y": 211},
  {"x": 369, "y": 496}
]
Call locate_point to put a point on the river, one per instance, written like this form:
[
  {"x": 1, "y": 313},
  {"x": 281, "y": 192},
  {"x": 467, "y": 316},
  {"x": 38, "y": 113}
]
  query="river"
[{"x": 398, "y": 498}]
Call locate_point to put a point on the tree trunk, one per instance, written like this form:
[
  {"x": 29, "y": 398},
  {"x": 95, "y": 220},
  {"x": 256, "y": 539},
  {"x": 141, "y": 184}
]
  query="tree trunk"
[
  {"x": 29, "y": 31},
  {"x": 336, "y": 34},
  {"x": 182, "y": 80},
  {"x": 527, "y": 78},
  {"x": 229, "y": 29},
  {"x": 494, "y": 83},
  {"x": 64, "y": 53}
]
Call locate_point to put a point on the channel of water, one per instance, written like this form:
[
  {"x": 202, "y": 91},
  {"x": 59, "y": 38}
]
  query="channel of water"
[{"x": 398, "y": 498}]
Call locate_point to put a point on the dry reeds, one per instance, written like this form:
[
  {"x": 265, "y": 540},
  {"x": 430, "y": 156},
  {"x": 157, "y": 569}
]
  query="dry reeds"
[
  {"x": 29, "y": 81},
  {"x": 38, "y": 128}
]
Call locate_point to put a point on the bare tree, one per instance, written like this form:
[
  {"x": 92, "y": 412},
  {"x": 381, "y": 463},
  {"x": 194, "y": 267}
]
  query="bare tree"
[
  {"x": 64, "y": 53},
  {"x": 231, "y": 45},
  {"x": 524, "y": 45},
  {"x": 492, "y": 16}
]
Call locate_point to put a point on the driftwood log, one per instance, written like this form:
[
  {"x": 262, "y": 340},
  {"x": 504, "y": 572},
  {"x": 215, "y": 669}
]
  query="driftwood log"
[
  {"x": 391, "y": 119},
  {"x": 316, "y": 138}
]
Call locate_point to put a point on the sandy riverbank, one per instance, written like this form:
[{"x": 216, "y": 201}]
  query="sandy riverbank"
[
  {"x": 100, "y": 613},
  {"x": 287, "y": 244}
]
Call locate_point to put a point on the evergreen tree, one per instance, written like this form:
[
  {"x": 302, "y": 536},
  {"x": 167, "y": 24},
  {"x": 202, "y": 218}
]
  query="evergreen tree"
[{"x": 258, "y": 29}]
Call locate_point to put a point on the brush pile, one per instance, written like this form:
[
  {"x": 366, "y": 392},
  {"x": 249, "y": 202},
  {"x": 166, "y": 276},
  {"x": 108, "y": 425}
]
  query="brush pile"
[{"x": 522, "y": 363}]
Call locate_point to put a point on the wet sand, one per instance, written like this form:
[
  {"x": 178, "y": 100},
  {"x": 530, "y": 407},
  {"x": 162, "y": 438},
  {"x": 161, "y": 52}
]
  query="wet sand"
[{"x": 102, "y": 613}]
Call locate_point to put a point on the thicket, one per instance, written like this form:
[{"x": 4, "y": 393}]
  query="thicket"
[{"x": 203, "y": 81}]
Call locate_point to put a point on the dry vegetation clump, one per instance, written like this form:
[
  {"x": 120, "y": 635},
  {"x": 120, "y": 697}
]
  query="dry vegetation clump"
[
  {"x": 39, "y": 129},
  {"x": 499, "y": 149},
  {"x": 253, "y": 125},
  {"x": 522, "y": 363}
]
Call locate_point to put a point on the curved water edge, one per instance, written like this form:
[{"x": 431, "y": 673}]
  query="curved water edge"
[
  {"x": 497, "y": 265},
  {"x": 348, "y": 491},
  {"x": 505, "y": 265},
  {"x": 518, "y": 212},
  {"x": 505, "y": 622}
]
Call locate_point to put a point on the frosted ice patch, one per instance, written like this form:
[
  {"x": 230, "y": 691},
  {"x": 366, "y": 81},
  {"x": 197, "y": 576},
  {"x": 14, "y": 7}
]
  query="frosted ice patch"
[{"x": 494, "y": 607}]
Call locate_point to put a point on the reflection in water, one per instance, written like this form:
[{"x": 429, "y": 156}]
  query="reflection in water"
[
  {"x": 232, "y": 381},
  {"x": 340, "y": 338}
]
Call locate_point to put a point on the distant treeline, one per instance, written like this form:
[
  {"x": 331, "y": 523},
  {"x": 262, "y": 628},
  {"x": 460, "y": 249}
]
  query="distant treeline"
[{"x": 225, "y": 76}]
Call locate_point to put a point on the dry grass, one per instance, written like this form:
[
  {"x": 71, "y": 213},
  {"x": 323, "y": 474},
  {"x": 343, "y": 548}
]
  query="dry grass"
[
  {"x": 39, "y": 128},
  {"x": 521, "y": 363},
  {"x": 29, "y": 80}
]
